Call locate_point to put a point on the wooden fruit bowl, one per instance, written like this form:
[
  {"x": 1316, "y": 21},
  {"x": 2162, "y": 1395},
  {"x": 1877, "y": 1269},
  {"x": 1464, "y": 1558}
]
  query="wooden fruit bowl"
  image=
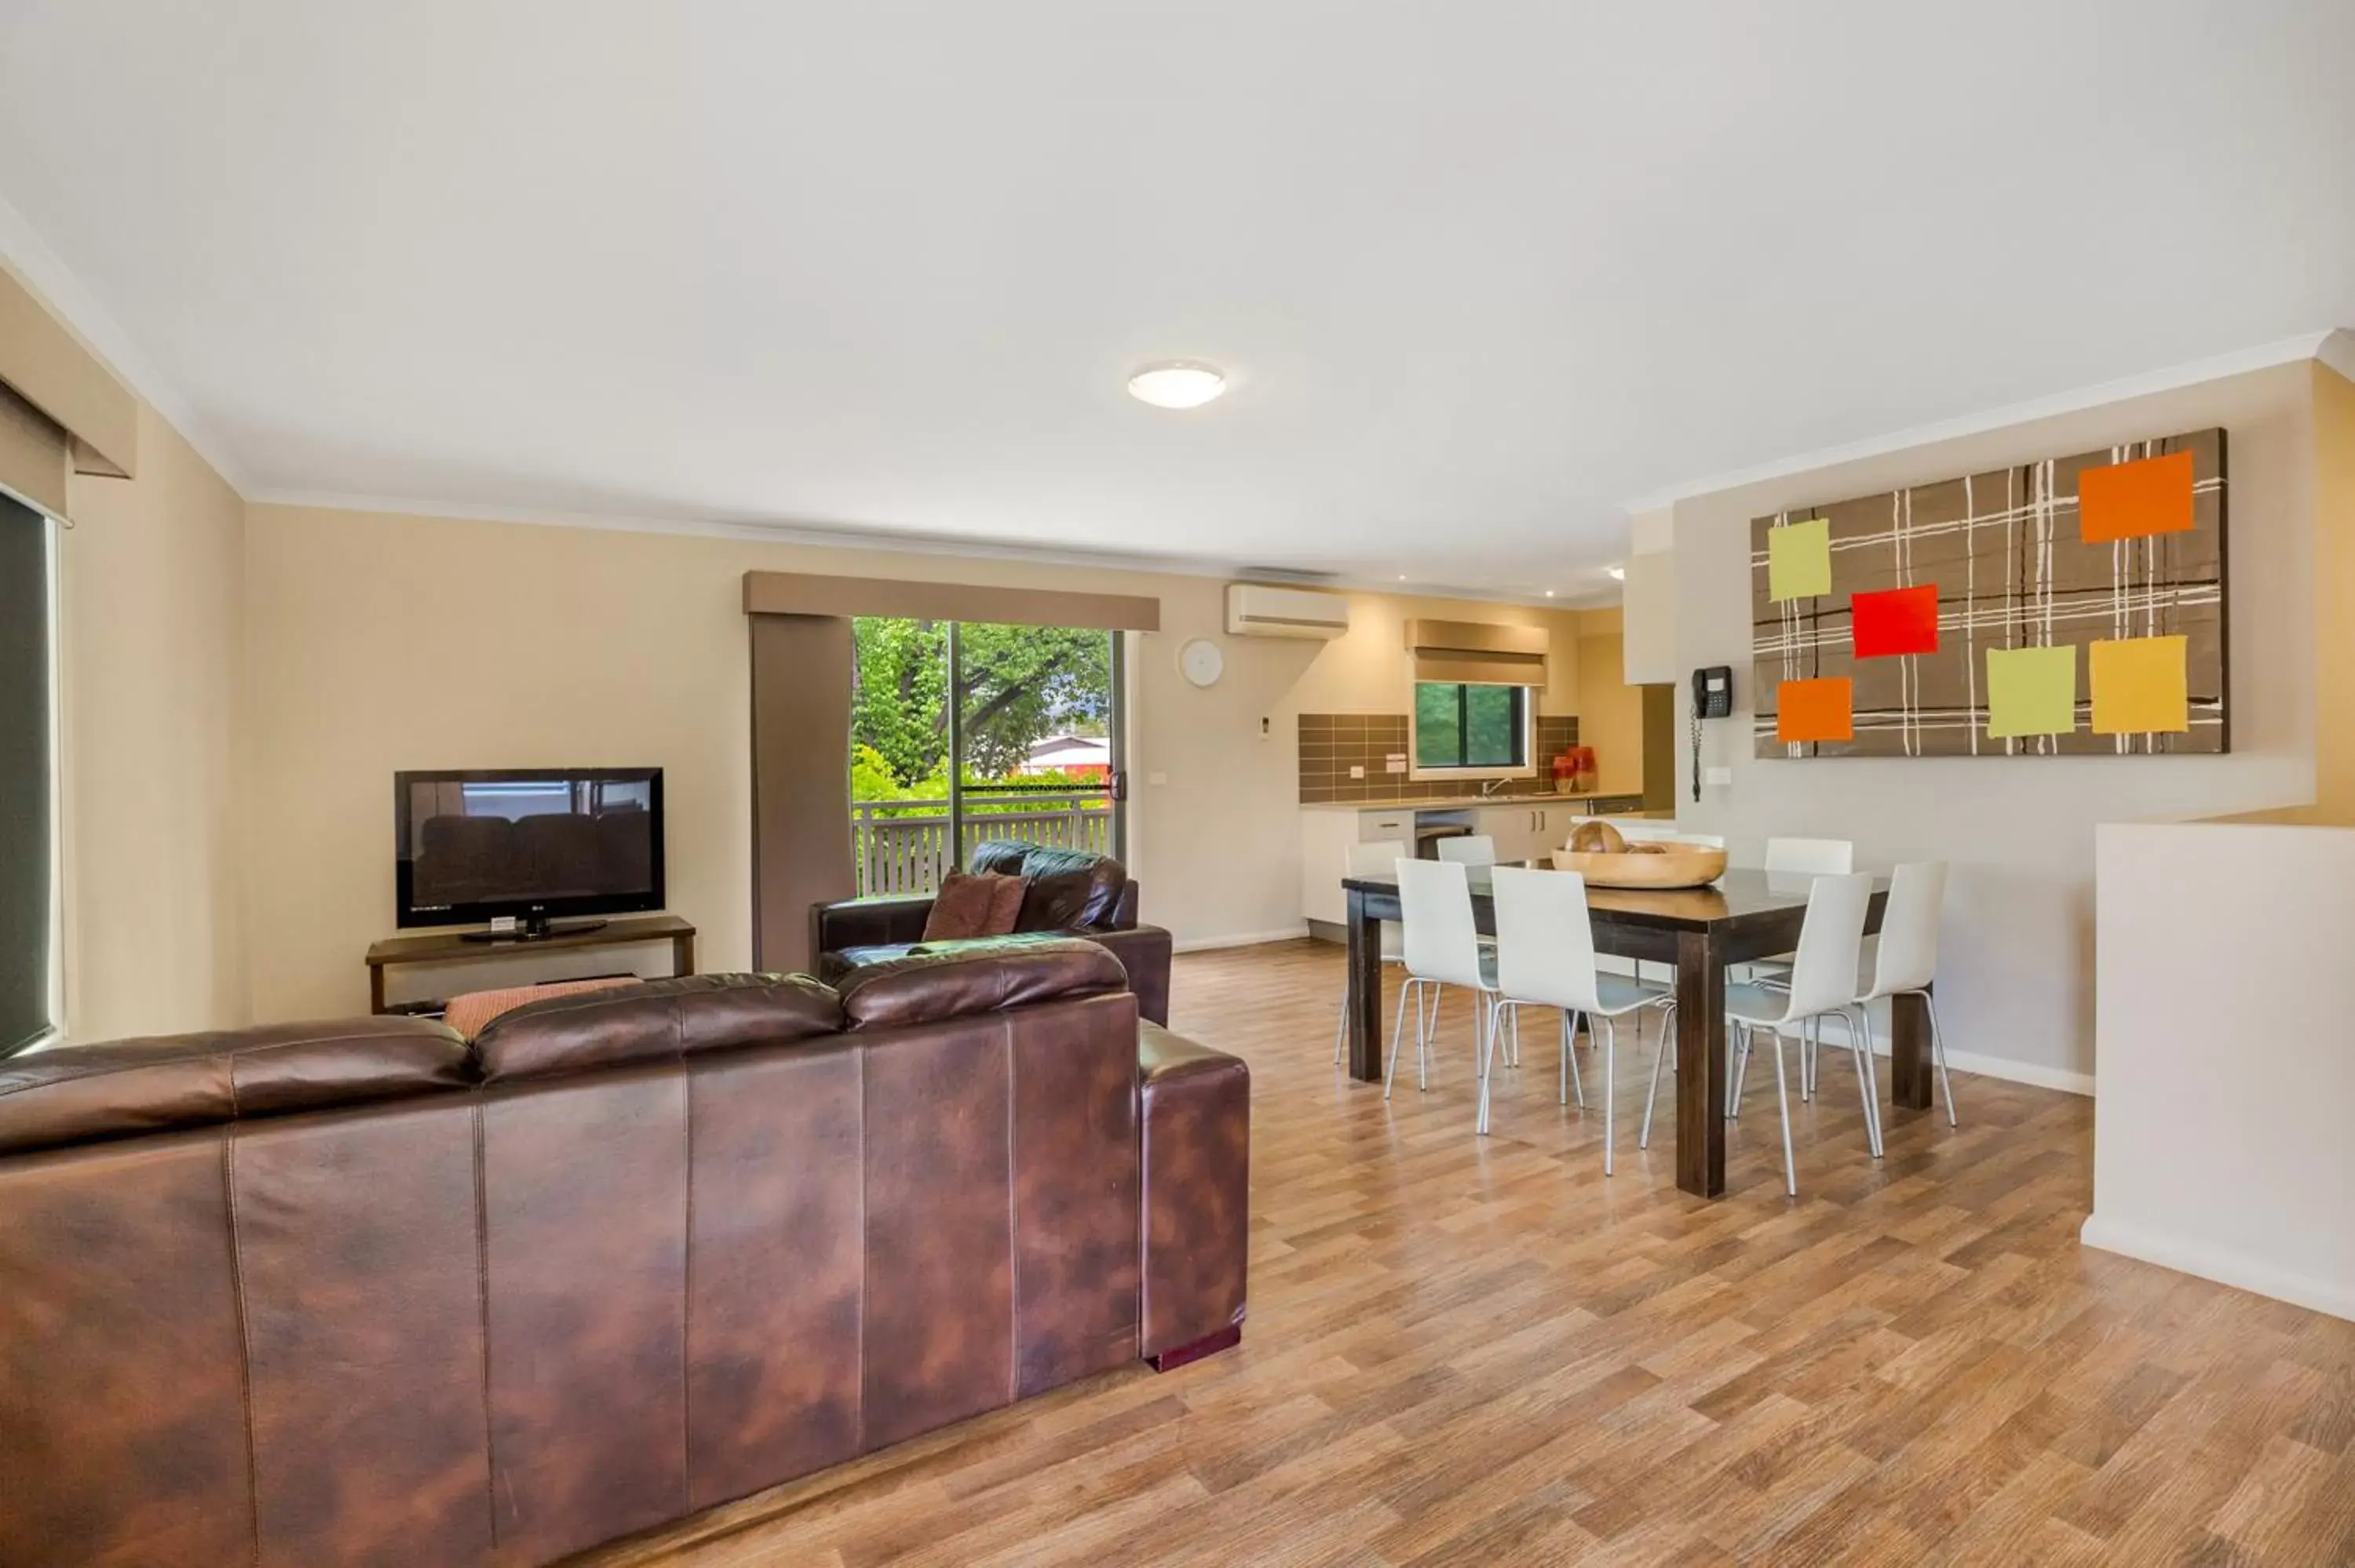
[{"x": 1679, "y": 865}]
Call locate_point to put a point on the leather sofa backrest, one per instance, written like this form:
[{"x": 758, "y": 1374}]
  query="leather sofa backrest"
[
  {"x": 1066, "y": 889},
  {"x": 978, "y": 975},
  {"x": 661, "y": 1020},
  {"x": 84, "y": 1093},
  {"x": 502, "y": 1327}
]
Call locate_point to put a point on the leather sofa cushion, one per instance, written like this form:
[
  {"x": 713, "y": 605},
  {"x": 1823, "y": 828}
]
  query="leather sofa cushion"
[
  {"x": 973, "y": 904},
  {"x": 659, "y": 1021},
  {"x": 1070, "y": 890},
  {"x": 84, "y": 1093},
  {"x": 1002, "y": 857},
  {"x": 956, "y": 979}
]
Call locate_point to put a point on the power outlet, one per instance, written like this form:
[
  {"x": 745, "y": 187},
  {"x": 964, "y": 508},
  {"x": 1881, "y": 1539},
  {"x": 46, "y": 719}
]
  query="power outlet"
[{"x": 1718, "y": 778}]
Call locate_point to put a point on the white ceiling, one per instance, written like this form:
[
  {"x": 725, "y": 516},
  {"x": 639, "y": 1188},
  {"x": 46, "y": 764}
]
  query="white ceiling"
[{"x": 1482, "y": 272}]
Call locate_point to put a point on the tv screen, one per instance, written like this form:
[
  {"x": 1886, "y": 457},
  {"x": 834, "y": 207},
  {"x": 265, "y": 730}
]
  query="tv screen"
[{"x": 538, "y": 843}]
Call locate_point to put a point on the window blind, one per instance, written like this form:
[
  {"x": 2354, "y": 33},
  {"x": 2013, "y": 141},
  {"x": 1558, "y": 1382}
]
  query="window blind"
[{"x": 27, "y": 863}]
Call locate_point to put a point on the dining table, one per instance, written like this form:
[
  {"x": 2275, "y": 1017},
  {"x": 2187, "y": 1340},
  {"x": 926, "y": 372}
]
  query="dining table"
[{"x": 1743, "y": 917}]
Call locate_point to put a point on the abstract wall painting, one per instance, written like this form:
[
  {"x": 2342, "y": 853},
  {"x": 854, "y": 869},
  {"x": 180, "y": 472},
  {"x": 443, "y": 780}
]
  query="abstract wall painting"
[{"x": 2072, "y": 607}]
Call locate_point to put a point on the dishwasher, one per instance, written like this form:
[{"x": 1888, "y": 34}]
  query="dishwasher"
[{"x": 1430, "y": 827}]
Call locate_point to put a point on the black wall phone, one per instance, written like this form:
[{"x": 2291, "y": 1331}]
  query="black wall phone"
[{"x": 1712, "y": 698}]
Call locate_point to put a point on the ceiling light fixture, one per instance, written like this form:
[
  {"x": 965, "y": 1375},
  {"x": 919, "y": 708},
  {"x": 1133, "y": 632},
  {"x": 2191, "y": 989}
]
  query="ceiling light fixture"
[
  {"x": 1177, "y": 384},
  {"x": 1618, "y": 574},
  {"x": 1549, "y": 593}
]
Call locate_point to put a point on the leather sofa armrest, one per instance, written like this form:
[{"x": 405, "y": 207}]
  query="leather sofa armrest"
[
  {"x": 1144, "y": 952},
  {"x": 868, "y": 923},
  {"x": 1195, "y": 1120}
]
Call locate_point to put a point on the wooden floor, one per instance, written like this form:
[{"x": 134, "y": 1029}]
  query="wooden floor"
[{"x": 1480, "y": 1352}]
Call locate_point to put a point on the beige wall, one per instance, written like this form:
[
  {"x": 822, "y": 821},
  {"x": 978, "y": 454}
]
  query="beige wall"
[
  {"x": 2334, "y": 587},
  {"x": 152, "y": 585},
  {"x": 380, "y": 643},
  {"x": 2015, "y": 980},
  {"x": 1610, "y": 711}
]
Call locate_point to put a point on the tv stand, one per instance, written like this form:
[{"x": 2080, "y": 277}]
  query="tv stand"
[
  {"x": 535, "y": 929},
  {"x": 476, "y": 946}
]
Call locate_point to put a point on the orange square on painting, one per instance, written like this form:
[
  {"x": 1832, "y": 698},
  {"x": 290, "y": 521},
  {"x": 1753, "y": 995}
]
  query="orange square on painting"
[
  {"x": 2129, "y": 499},
  {"x": 1815, "y": 710}
]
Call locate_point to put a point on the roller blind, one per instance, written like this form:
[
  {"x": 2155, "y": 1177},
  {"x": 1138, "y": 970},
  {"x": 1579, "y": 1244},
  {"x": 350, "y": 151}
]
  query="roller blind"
[
  {"x": 27, "y": 859},
  {"x": 1477, "y": 653},
  {"x": 34, "y": 453}
]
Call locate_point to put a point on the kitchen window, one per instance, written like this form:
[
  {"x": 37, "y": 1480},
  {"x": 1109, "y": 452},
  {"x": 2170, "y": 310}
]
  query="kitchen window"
[{"x": 1465, "y": 728}]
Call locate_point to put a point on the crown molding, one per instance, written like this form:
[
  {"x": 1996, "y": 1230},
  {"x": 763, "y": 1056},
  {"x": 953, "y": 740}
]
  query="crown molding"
[
  {"x": 2282, "y": 351},
  {"x": 25, "y": 253},
  {"x": 898, "y": 542}
]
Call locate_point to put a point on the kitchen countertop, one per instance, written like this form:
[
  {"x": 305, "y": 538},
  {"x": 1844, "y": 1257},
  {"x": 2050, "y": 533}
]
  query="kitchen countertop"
[{"x": 1462, "y": 802}]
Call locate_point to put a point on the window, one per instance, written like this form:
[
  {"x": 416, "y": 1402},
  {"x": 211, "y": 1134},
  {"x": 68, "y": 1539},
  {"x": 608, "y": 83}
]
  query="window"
[
  {"x": 29, "y": 1004},
  {"x": 1463, "y": 727}
]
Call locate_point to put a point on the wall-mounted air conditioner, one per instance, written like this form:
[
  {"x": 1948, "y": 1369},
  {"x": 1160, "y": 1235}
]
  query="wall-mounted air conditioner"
[{"x": 1263, "y": 610}]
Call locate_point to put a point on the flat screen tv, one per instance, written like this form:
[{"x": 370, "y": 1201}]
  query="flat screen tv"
[{"x": 535, "y": 844}]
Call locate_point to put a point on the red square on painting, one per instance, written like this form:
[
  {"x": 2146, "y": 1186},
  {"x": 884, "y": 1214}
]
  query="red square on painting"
[{"x": 1894, "y": 620}]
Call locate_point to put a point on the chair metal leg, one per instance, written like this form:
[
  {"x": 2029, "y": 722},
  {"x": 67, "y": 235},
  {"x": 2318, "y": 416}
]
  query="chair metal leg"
[
  {"x": 1570, "y": 1074},
  {"x": 1424, "y": 1034},
  {"x": 1783, "y": 1103},
  {"x": 1860, "y": 1036},
  {"x": 1389, "y": 1073},
  {"x": 1488, "y": 1060},
  {"x": 1610, "y": 1082},
  {"x": 1938, "y": 1056},
  {"x": 1809, "y": 1034},
  {"x": 1652, "y": 1095},
  {"x": 1738, "y": 1077}
]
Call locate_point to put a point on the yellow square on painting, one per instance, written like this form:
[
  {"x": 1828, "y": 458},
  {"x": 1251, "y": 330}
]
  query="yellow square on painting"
[
  {"x": 1799, "y": 560},
  {"x": 2141, "y": 686}
]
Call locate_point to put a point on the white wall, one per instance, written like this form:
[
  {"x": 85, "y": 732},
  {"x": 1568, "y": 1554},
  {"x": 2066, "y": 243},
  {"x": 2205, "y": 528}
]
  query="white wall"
[
  {"x": 2016, "y": 978},
  {"x": 2221, "y": 1139}
]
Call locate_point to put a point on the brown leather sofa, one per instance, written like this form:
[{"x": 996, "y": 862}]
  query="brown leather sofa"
[
  {"x": 355, "y": 1291},
  {"x": 1069, "y": 893}
]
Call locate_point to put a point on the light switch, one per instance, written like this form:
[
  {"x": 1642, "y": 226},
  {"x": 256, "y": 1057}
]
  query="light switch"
[
  {"x": 1357, "y": 771},
  {"x": 1395, "y": 765},
  {"x": 1721, "y": 777}
]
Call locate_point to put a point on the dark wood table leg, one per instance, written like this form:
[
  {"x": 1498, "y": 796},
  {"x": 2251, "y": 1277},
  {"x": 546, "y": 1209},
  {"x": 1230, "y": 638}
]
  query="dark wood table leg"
[
  {"x": 1700, "y": 1066},
  {"x": 1365, "y": 992},
  {"x": 1908, "y": 1053}
]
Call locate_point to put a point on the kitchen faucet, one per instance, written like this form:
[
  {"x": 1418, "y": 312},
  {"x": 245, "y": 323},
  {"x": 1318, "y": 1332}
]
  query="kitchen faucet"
[{"x": 1488, "y": 787}]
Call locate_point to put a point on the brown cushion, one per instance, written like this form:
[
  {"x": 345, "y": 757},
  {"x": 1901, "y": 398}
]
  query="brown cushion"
[
  {"x": 973, "y": 905},
  {"x": 87, "y": 1091},
  {"x": 1070, "y": 890},
  {"x": 989, "y": 975},
  {"x": 657, "y": 1021},
  {"x": 469, "y": 1014}
]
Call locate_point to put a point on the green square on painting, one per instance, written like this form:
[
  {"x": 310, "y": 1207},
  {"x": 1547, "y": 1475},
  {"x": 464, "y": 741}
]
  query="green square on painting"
[
  {"x": 1799, "y": 560},
  {"x": 2030, "y": 691}
]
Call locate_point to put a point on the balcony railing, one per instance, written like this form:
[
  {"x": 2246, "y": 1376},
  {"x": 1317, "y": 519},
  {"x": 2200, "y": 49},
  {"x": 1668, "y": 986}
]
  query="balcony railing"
[{"x": 903, "y": 846}]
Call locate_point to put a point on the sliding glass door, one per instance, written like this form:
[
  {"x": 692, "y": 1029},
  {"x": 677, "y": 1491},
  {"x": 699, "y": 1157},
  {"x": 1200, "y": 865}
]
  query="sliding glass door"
[{"x": 963, "y": 732}]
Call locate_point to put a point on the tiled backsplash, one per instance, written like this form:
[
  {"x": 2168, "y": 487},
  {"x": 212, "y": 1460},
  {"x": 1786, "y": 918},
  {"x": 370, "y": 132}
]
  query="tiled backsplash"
[{"x": 1332, "y": 744}]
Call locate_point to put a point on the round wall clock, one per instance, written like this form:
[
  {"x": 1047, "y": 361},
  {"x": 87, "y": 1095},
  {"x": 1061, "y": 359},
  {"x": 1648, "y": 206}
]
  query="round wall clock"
[{"x": 1200, "y": 662}]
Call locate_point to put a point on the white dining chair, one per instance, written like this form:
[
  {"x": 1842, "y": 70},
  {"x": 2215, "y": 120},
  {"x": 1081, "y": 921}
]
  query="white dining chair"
[
  {"x": 1798, "y": 857},
  {"x": 1469, "y": 849},
  {"x": 1810, "y": 857},
  {"x": 1441, "y": 946},
  {"x": 1376, "y": 857},
  {"x": 1822, "y": 985},
  {"x": 1545, "y": 957},
  {"x": 1907, "y": 961}
]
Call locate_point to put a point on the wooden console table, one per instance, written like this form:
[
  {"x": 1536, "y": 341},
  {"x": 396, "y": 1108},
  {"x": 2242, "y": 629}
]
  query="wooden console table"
[{"x": 449, "y": 947}]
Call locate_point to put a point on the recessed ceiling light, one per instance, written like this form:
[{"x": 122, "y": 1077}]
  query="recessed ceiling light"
[
  {"x": 1549, "y": 593},
  {"x": 1401, "y": 576},
  {"x": 1179, "y": 383},
  {"x": 1618, "y": 573}
]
